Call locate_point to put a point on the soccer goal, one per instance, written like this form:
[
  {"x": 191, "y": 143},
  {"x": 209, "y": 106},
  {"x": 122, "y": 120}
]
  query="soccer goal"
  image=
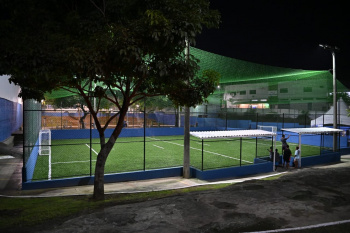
[
  {"x": 45, "y": 142},
  {"x": 272, "y": 129},
  {"x": 45, "y": 146}
]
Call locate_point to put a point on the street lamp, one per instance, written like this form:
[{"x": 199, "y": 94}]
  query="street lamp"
[{"x": 333, "y": 49}]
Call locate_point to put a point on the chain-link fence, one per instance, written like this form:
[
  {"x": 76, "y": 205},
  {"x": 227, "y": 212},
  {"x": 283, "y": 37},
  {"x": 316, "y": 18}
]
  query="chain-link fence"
[{"x": 149, "y": 141}]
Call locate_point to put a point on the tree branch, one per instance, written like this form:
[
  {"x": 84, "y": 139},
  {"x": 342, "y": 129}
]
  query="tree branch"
[
  {"x": 110, "y": 119},
  {"x": 103, "y": 11}
]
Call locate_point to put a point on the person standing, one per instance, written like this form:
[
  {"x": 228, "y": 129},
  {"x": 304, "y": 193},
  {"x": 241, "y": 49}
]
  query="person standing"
[
  {"x": 286, "y": 156},
  {"x": 277, "y": 159},
  {"x": 270, "y": 153},
  {"x": 296, "y": 157},
  {"x": 277, "y": 156},
  {"x": 284, "y": 142}
]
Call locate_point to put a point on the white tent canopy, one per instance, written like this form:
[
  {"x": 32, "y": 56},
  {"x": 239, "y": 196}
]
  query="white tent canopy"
[
  {"x": 314, "y": 130},
  {"x": 232, "y": 134},
  {"x": 327, "y": 118}
]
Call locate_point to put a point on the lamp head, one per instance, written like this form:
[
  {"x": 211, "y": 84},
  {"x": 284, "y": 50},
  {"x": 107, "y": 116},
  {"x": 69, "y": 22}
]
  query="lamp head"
[{"x": 328, "y": 47}]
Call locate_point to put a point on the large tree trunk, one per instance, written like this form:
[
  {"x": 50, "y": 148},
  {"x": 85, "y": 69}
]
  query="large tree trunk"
[
  {"x": 102, "y": 157},
  {"x": 177, "y": 117},
  {"x": 100, "y": 168},
  {"x": 186, "y": 167},
  {"x": 99, "y": 190}
]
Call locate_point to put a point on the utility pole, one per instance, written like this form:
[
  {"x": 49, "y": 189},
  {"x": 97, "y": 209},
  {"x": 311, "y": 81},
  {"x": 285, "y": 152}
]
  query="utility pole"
[{"x": 335, "y": 125}]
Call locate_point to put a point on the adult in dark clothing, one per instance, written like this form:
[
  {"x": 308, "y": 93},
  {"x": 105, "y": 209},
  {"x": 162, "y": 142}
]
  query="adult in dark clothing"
[
  {"x": 286, "y": 156},
  {"x": 284, "y": 142}
]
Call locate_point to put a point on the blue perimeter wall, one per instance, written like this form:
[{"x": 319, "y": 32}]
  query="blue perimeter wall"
[
  {"x": 11, "y": 118},
  {"x": 224, "y": 173}
]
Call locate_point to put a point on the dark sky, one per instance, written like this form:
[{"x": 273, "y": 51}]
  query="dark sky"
[{"x": 282, "y": 33}]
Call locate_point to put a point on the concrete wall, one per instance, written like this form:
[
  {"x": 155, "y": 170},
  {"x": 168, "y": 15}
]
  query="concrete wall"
[{"x": 11, "y": 114}]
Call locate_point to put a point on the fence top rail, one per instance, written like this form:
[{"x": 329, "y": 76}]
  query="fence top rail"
[{"x": 232, "y": 133}]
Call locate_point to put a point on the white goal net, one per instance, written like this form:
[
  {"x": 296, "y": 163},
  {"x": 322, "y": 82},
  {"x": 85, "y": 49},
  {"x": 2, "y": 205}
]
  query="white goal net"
[
  {"x": 45, "y": 142},
  {"x": 272, "y": 129}
]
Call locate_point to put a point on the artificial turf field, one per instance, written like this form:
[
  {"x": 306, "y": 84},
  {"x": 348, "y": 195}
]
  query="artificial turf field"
[{"x": 71, "y": 157}]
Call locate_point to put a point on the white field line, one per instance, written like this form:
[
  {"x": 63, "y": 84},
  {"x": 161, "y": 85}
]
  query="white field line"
[
  {"x": 158, "y": 146},
  {"x": 84, "y": 161},
  {"x": 304, "y": 228},
  {"x": 201, "y": 150},
  {"x": 91, "y": 149}
]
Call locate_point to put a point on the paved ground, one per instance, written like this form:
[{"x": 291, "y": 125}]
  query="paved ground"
[
  {"x": 301, "y": 197},
  {"x": 11, "y": 166}
]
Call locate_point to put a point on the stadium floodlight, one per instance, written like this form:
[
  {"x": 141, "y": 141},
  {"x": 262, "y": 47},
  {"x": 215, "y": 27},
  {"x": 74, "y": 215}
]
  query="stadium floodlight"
[{"x": 333, "y": 49}]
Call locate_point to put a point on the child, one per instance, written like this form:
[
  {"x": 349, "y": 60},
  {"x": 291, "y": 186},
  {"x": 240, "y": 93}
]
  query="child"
[
  {"x": 277, "y": 159},
  {"x": 271, "y": 153},
  {"x": 296, "y": 157}
]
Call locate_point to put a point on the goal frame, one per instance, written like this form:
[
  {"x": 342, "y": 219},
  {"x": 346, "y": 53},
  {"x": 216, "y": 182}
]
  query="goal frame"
[{"x": 45, "y": 142}]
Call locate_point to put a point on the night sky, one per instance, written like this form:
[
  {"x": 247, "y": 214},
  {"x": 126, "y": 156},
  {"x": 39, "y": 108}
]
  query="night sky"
[{"x": 282, "y": 33}]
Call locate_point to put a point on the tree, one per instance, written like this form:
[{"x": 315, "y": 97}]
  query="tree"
[{"x": 117, "y": 50}]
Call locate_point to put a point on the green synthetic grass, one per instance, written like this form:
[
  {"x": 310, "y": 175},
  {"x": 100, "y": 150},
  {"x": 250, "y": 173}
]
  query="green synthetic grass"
[{"x": 71, "y": 158}]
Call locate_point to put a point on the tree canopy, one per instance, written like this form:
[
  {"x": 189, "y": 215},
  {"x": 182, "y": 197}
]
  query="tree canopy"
[
  {"x": 117, "y": 50},
  {"x": 139, "y": 44}
]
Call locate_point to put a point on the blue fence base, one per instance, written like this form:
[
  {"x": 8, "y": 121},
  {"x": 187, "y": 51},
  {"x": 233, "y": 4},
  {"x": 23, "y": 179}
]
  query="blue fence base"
[
  {"x": 232, "y": 172},
  {"x": 109, "y": 178},
  {"x": 332, "y": 157},
  {"x": 259, "y": 167}
]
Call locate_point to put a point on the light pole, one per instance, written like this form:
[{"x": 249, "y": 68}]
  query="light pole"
[{"x": 333, "y": 49}]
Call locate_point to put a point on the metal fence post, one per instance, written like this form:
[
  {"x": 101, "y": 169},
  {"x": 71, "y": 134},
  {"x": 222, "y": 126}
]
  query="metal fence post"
[
  {"x": 202, "y": 154},
  {"x": 240, "y": 153},
  {"x": 144, "y": 134}
]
